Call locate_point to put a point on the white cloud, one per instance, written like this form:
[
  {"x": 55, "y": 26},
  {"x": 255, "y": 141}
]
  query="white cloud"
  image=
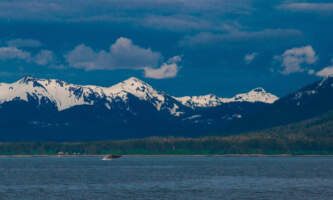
[
  {"x": 123, "y": 54},
  {"x": 175, "y": 59},
  {"x": 24, "y": 43},
  {"x": 308, "y": 7},
  {"x": 293, "y": 60},
  {"x": 7, "y": 53},
  {"x": 327, "y": 71},
  {"x": 44, "y": 57},
  {"x": 167, "y": 70},
  {"x": 250, "y": 57}
]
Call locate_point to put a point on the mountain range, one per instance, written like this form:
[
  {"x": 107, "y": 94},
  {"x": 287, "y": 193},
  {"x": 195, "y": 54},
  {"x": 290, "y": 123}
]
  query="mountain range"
[
  {"x": 308, "y": 102},
  {"x": 49, "y": 109}
]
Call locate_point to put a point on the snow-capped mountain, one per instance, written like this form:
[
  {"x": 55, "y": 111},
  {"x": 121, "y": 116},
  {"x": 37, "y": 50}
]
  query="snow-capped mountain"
[
  {"x": 313, "y": 90},
  {"x": 64, "y": 95},
  {"x": 320, "y": 92},
  {"x": 50, "y": 109},
  {"x": 145, "y": 92},
  {"x": 310, "y": 101},
  {"x": 210, "y": 100}
]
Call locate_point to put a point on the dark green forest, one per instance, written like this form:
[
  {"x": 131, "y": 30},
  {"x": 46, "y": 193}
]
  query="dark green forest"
[{"x": 310, "y": 137}]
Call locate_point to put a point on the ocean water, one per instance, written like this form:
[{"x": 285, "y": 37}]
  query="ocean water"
[{"x": 190, "y": 178}]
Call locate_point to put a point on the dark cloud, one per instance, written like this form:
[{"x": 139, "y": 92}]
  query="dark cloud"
[
  {"x": 67, "y": 10},
  {"x": 24, "y": 43},
  {"x": 169, "y": 15},
  {"x": 9, "y": 53},
  {"x": 216, "y": 37},
  {"x": 308, "y": 7},
  {"x": 42, "y": 57},
  {"x": 205, "y": 38}
]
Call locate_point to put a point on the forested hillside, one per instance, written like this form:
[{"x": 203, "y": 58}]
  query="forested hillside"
[{"x": 314, "y": 136}]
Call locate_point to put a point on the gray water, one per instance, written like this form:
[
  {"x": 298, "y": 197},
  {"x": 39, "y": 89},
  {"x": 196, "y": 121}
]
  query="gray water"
[{"x": 294, "y": 178}]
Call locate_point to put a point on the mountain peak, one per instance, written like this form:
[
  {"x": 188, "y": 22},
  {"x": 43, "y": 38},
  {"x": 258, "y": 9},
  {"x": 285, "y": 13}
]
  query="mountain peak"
[
  {"x": 27, "y": 79},
  {"x": 140, "y": 89},
  {"x": 326, "y": 84},
  {"x": 40, "y": 82},
  {"x": 135, "y": 87},
  {"x": 132, "y": 84},
  {"x": 65, "y": 95},
  {"x": 133, "y": 81},
  {"x": 258, "y": 94}
]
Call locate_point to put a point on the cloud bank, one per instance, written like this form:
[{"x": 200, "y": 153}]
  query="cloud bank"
[{"x": 123, "y": 54}]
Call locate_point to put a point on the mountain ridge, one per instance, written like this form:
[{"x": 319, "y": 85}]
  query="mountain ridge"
[
  {"x": 65, "y": 95},
  {"x": 50, "y": 109},
  {"x": 305, "y": 103}
]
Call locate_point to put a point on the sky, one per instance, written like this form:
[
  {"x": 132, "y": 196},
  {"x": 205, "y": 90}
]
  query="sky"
[{"x": 182, "y": 47}]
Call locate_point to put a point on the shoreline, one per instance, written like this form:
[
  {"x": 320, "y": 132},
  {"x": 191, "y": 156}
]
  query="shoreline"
[{"x": 164, "y": 155}]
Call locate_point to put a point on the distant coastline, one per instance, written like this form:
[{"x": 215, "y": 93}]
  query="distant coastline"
[
  {"x": 255, "y": 144},
  {"x": 166, "y": 155}
]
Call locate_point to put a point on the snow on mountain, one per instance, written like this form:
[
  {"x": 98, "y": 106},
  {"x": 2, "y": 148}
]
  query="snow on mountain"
[
  {"x": 137, "y": 88},
  {"x": 314, "y": 89},
  {"x": 210, "y": 100},
  {"x": 256, "y": 95},
  {"x": 64, "y": 95},
  {"x": 145, "y": 92}
]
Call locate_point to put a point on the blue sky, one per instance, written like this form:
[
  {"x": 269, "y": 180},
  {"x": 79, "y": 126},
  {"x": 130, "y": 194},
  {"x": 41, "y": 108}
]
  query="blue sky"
[{"x": 183, "y": 47}]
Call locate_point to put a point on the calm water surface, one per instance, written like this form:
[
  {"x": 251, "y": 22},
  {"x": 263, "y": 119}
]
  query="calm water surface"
[{"x": 294, "y": 178}]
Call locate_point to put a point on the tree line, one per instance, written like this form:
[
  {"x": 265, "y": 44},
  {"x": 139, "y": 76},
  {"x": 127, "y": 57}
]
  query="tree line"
[{"x": 244, "y": 144}]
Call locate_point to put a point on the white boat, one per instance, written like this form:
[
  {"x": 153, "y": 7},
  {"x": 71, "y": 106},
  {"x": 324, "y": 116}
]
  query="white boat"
[{"x": 111, "y": 156}]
